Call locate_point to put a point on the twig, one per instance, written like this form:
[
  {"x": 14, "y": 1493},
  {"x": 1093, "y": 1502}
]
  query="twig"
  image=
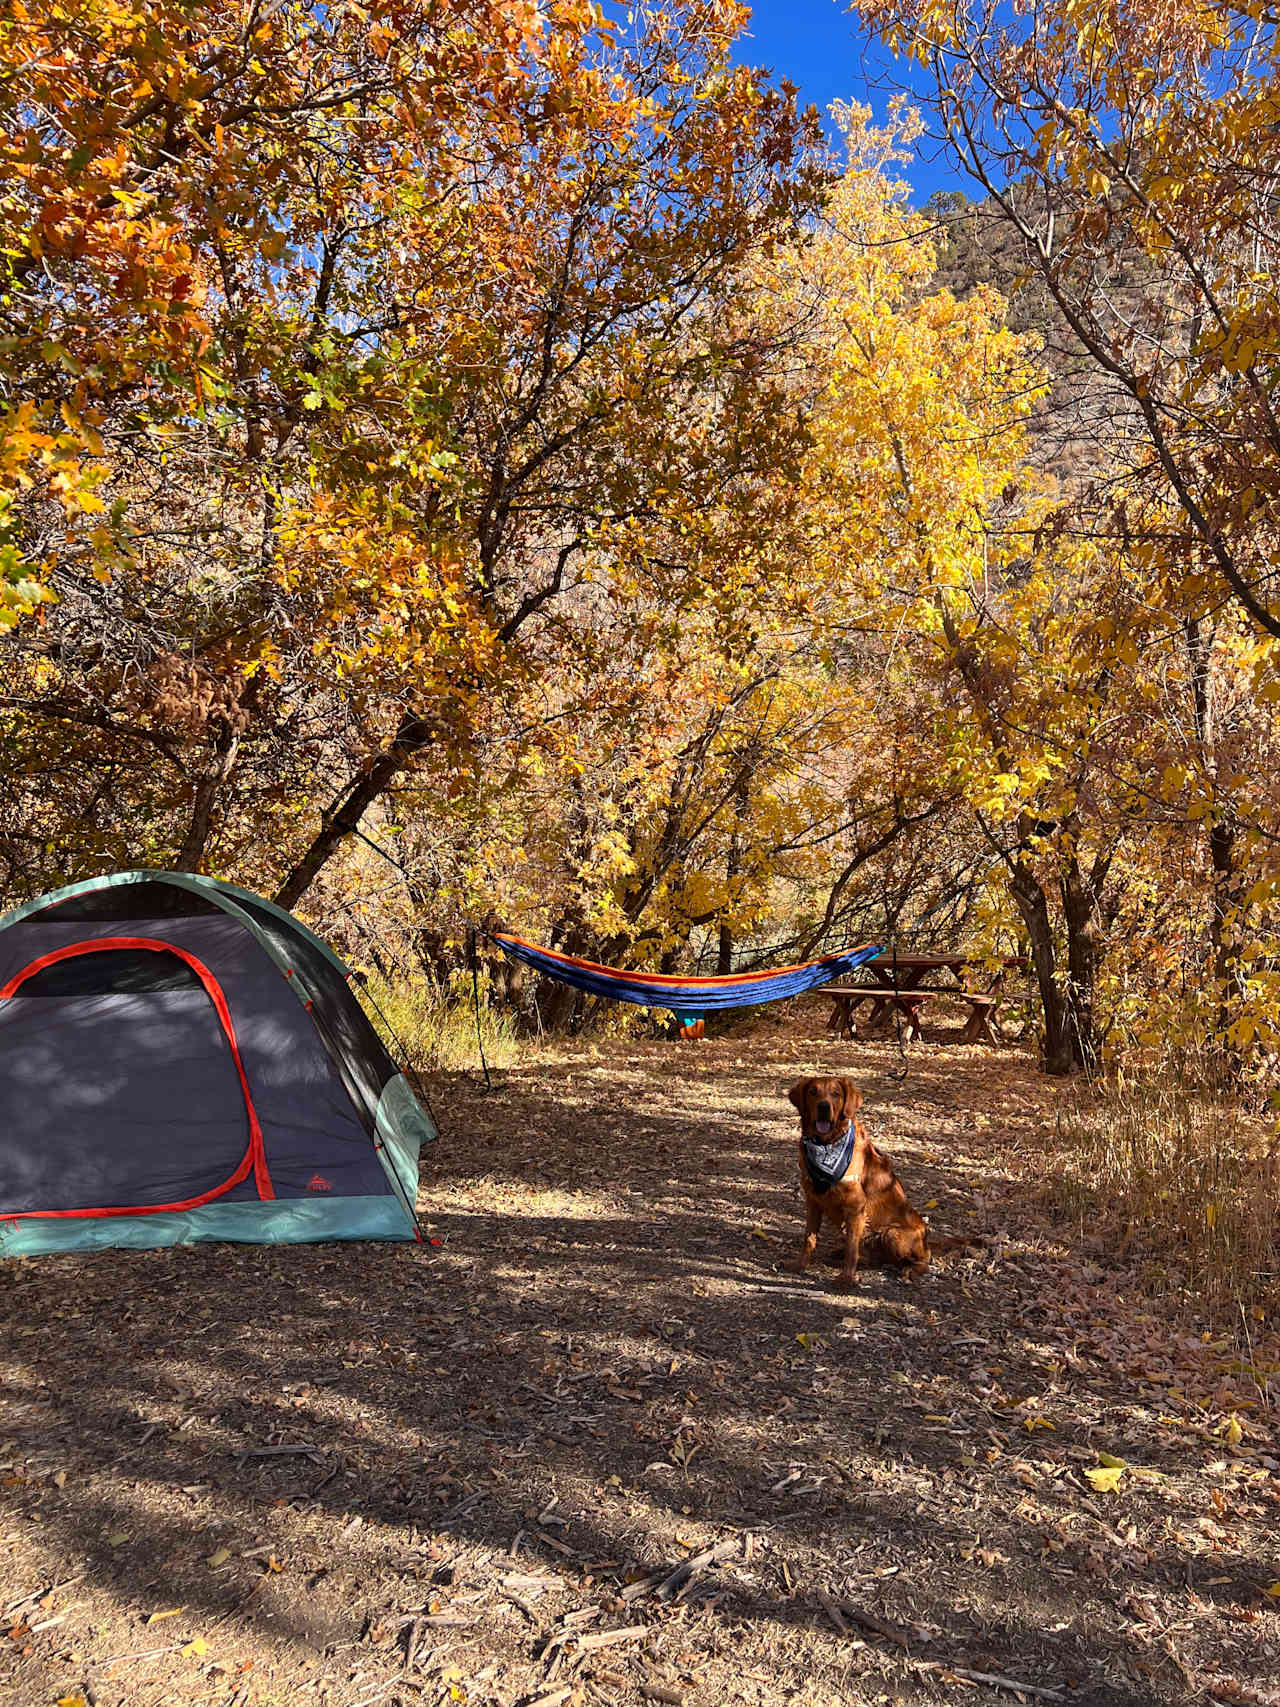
[
  {"x": 368, "y": 1700},
  {"x": 457, "y": 1510},
  {"x": 518, "y": 1600},
  {"x": 411, "y": 1646},
  {"x": 888, "y": 1631},
  {"x": 695, "y": 1566},
  {"x": 316, "y": 1452},
  {"x": 833, "y": 1613},
  {"x": 553, "y": 1698},
  {"x": 633, "y": 1591},
  {"x": 40, "y": 1593},
  {"x": 1006, "y": 1683}
]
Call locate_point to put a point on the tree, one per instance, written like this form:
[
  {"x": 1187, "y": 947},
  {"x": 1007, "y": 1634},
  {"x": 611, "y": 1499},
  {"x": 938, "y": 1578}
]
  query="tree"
[
  {"x": 458, "y": 296},
  {"x": 1131, "y": 151}
]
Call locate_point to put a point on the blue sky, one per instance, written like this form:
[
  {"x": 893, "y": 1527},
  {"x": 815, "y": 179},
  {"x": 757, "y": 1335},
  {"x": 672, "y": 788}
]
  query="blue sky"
[{"x": 829, "y": 55}]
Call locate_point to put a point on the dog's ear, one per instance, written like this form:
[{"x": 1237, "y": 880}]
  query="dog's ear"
[
  {"x": 796, "y": 1094},
  {"x": 852, "y": 1097}
]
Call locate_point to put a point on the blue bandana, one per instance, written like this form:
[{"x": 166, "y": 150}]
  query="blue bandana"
[{"x": 827, "y": 1164}]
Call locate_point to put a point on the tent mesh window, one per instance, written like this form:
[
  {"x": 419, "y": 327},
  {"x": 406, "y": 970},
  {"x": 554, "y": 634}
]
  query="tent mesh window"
[
  {"x": 146, "y": 900},
  {"x": 111, "y": 972},
  {"x": 357, "y": 1050}
]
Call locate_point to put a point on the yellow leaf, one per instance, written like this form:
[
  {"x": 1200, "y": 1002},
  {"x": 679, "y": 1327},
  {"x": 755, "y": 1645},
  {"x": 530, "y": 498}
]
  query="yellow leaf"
[
  {"x": 220, "y": 1557},
  {"x": 1031, "y": 1424},
  {"x": 1111, "y": 1462},
  {"x": 1106, "y": 1480},
  {"x": 193, "y": 1650},
  {"x": 1273, "y": 1589},
  {"x": 172, "y": 1612},
  {"x": 1231, "y": 1431}
]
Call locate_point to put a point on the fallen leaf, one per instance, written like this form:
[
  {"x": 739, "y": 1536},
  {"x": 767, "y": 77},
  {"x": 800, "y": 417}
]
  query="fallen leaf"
[
  {"x": 195, "y": 1649},
  {"x": 1107, "y": 1479},
  {"x": 173, "y": 1612},
  {"x": 220, "y": 1557}
]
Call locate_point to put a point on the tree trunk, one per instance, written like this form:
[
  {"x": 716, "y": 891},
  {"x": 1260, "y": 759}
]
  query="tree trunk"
[
  {"x": 343, "y": 815},
  {"x": 1062, "y": 1054},
  {"x": 190, "y": 855},
  {"x": 1224, "y": 900},
  {"x": 1084, "y": 952}
]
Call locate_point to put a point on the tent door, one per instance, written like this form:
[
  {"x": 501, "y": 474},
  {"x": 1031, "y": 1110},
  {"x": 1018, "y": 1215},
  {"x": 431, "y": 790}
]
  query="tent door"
[{"x": 124, "y": 1090}]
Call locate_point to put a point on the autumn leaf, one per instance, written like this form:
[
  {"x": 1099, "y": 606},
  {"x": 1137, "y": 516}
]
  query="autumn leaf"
[{"x": 1105, "y": 1480}]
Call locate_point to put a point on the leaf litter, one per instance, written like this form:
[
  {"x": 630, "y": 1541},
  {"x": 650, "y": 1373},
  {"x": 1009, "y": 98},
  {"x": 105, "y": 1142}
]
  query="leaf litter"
[{"x": 599, "y": 1445}]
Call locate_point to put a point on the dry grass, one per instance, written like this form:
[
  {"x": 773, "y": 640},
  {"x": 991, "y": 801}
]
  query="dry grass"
[
  {"x": 437, "y": 1031},
  {"x": 1184, "y": 1181}
]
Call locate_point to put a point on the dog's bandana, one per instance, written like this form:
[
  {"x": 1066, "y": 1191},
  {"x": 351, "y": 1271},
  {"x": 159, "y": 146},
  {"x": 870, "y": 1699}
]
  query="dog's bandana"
[{"x": 827, "y": 1164}]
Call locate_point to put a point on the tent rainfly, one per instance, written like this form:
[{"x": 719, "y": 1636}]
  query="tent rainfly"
[{"x": 181, "y": 1060}]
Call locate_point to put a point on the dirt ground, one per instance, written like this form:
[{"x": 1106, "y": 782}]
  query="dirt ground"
[{"x": 596, "y": 1445}]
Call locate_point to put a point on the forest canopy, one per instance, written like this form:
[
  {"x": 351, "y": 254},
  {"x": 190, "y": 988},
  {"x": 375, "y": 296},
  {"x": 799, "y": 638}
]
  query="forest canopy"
[{"x": 493, "y": 460}]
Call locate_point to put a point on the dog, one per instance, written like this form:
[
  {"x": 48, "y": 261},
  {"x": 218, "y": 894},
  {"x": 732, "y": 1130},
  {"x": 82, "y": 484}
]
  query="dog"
[{"x": 848, "y": 1181}]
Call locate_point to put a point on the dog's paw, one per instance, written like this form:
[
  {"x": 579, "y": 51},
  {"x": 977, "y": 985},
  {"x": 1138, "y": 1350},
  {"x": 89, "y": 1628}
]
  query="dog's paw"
[{"x": 845, "y": 1283}]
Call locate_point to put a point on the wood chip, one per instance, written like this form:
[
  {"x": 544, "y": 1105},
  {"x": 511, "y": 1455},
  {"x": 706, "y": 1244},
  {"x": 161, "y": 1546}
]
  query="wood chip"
[
  {"x": 553, "y": 1698},
  {"x": 611, "y": 1638}
]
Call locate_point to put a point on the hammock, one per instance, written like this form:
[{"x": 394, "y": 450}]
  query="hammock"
[{"x": 692, "y": 996}]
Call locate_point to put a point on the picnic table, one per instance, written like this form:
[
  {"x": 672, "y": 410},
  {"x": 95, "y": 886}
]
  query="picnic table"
[{"x": 907, "y": 983}]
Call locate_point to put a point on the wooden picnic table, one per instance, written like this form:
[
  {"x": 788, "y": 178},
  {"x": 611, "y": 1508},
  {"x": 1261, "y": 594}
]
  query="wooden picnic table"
[{"x": 899, "y": 983}]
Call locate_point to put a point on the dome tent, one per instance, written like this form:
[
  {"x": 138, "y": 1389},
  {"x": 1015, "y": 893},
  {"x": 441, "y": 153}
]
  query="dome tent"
[{"x": 181, "y": 1060}]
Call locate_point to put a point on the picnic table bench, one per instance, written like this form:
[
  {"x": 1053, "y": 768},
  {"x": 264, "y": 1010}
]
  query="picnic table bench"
[{"x": 908, "y": 994}]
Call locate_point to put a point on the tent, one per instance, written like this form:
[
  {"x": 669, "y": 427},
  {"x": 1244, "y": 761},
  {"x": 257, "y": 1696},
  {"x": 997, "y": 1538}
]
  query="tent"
[{"x": 181, "y": 1060}]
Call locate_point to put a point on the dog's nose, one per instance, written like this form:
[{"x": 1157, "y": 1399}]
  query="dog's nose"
[{"x": 824, "y": 1111}]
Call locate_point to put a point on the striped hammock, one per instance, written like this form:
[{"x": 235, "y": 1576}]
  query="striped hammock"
[{"x": 691, "y": 996}]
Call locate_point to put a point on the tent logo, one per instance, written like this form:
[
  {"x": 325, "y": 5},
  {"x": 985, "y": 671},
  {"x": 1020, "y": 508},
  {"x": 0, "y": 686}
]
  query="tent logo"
[{"x": 317, "y": 1182}]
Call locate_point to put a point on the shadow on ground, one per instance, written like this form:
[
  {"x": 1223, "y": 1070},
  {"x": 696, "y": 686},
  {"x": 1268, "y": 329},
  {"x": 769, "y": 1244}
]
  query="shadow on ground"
[{"x": 601, "y": 1370}]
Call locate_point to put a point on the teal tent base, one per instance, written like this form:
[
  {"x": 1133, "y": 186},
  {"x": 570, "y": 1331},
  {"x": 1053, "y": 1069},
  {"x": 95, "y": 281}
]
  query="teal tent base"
[{"x": 301, "y": 1221}]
